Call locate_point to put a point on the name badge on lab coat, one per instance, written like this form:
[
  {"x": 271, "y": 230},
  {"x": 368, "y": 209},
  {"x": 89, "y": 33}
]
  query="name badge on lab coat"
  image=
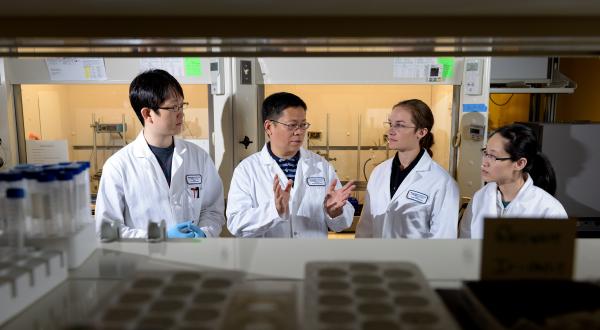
[
  {"x": 417, "y": 196},
  {"x": 315, "y": 181},
  {"x": 193, "y": 179}
]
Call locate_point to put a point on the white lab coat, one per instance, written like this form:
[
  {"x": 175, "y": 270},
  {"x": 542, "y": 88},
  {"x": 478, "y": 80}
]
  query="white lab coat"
[
  {"x": 424, "y": 206},
  {"x": 133, "y": 189},
  {"x": 251, "y": 208},
  {"x": 530, "y": 202}
]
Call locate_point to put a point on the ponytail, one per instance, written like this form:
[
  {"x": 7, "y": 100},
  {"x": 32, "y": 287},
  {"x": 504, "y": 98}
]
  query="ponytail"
[
  {"x": 522, "y": 143},
  {"x": 427, "y": 142},
  {"x": 542, "y": 173}
]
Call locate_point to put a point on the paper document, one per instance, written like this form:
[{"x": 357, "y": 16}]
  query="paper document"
[
  {"x": 78, "y": 69},
  {"x": 47, "y": 152},
  {"x": 411, "y": 67},
  {"x": 173, "y": 65}
]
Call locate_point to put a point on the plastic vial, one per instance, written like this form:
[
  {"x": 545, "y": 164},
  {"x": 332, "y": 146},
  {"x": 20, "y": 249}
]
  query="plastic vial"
[
  {"x": 82, "y": 214},
  {"x": 48, "y": 205},
  {"x": 16, "y": 215},
  {"x": 14, "y": 179},
  {"x": 34, "y": 227},
  {"x": 8, "y": 180},
  {"x": 86, "y": 212},
  {"x": 66, "y": 198}
]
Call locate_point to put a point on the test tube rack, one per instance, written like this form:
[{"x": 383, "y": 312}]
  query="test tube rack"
[
  {"x": 77, "y": 246},
  {"x": 26, "y": 277}
]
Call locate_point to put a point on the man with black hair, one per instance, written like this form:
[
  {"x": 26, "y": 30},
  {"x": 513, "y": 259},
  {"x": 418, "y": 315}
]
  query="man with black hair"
[
  {"x": 158, "y": 176},
  {"x": 285, "y": 190}
]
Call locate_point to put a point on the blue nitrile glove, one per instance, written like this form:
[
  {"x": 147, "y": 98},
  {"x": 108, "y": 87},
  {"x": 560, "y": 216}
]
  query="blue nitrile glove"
[
  {"x": 181, "y": 230},
  {"x": 197, "y": 231}
]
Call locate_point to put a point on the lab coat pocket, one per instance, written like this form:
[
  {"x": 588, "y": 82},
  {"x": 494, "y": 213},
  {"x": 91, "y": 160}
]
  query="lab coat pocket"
[
  {"x": 194, "y": 192},
  {"x": 193, "y": 201}
]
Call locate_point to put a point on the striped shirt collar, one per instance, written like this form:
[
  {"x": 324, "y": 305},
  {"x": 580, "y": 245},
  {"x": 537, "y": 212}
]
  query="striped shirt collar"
[
  {"x": 294, "y": 160},
  {"x": 288, "y": 166}
]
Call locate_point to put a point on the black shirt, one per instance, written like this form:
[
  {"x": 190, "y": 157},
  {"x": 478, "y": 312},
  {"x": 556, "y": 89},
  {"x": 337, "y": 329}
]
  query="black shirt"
[
  {"x": 398, "y": 175},
  {"x": 164, "y": 156}
]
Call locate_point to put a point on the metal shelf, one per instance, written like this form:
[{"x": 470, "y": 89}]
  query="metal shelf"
[
  {"x": 97, "y": 147},
  {"x": 354, "y": 148},
  {"x": 532, "y": 90}
]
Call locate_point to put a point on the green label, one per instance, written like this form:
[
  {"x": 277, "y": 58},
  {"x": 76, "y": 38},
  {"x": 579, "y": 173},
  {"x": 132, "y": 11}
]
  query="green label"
[
  {"x": 448, "y": 66},
  {"x": 193, "y": 67}
]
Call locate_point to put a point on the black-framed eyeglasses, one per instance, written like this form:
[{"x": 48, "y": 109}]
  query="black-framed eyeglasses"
[
  {"x": 292, "y": 127},
  {"x": 396, "y": 126},
  {"x": 177, "y": 108},
  {"x": 491, "y": 157}
]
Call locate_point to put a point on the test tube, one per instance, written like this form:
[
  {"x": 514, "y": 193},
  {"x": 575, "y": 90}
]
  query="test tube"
[
  {"x": 34, "y": 227},
  {"x": 17, "y": 215},
  {"x": 14, "y": 179},
  {"x": 82, "y": 214},
  {"x": 51, "y": 222},
  {"x": 86, "y": 211},
  {"x": 80, "y": 198},
  {"x": 66, "y": 198}
]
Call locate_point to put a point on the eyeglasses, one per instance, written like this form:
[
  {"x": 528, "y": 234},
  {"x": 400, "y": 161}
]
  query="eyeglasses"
[
  {"x": 492, "y": 158},
  {"x": 396, "y": 126},
  {"x": 293, "y": 127},
  {"x": 177, "y": 108}
]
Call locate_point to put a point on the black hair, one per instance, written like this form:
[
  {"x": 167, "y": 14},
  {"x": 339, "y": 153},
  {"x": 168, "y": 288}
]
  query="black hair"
[
  {"x": 150, "y": 89},
  {"x": 522, "y": 143},
  {"x": 273, "y": 106},
  {"x": 422, "y": 118}
]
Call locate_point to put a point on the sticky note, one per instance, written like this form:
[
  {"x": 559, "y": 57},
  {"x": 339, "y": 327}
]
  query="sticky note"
[
  {"x": 192, "y": 66},
  {"x": 448, "y": 66}
]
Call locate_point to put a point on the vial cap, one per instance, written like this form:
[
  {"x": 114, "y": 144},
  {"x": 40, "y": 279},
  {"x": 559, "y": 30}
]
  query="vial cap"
[
  {"x": 84, "y": 164},
  {"x": 31, "y": 173},
  {"x": 73, "y": 168},
  {"x": 11, "y": 176},
  {"x": 15, "y": 193},
  {"x": 64, "y": 176},
  {"x": 46, "y": 177}
]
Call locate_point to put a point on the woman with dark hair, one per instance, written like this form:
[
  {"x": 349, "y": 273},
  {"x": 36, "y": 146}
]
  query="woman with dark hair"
[
  {"x": 520, "y": 182},
  {"x": 410, "y": 195}
]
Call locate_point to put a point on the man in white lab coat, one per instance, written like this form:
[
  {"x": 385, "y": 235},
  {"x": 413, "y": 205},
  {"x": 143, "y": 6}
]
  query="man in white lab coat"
[
  {"x": 157, "y": 176},
  {"x": 285, "y": 190},
  {"x": 410, "y": 195}
]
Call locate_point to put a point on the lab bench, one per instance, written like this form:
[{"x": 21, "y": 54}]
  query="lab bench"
[{"x": 445, "y": 264}]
